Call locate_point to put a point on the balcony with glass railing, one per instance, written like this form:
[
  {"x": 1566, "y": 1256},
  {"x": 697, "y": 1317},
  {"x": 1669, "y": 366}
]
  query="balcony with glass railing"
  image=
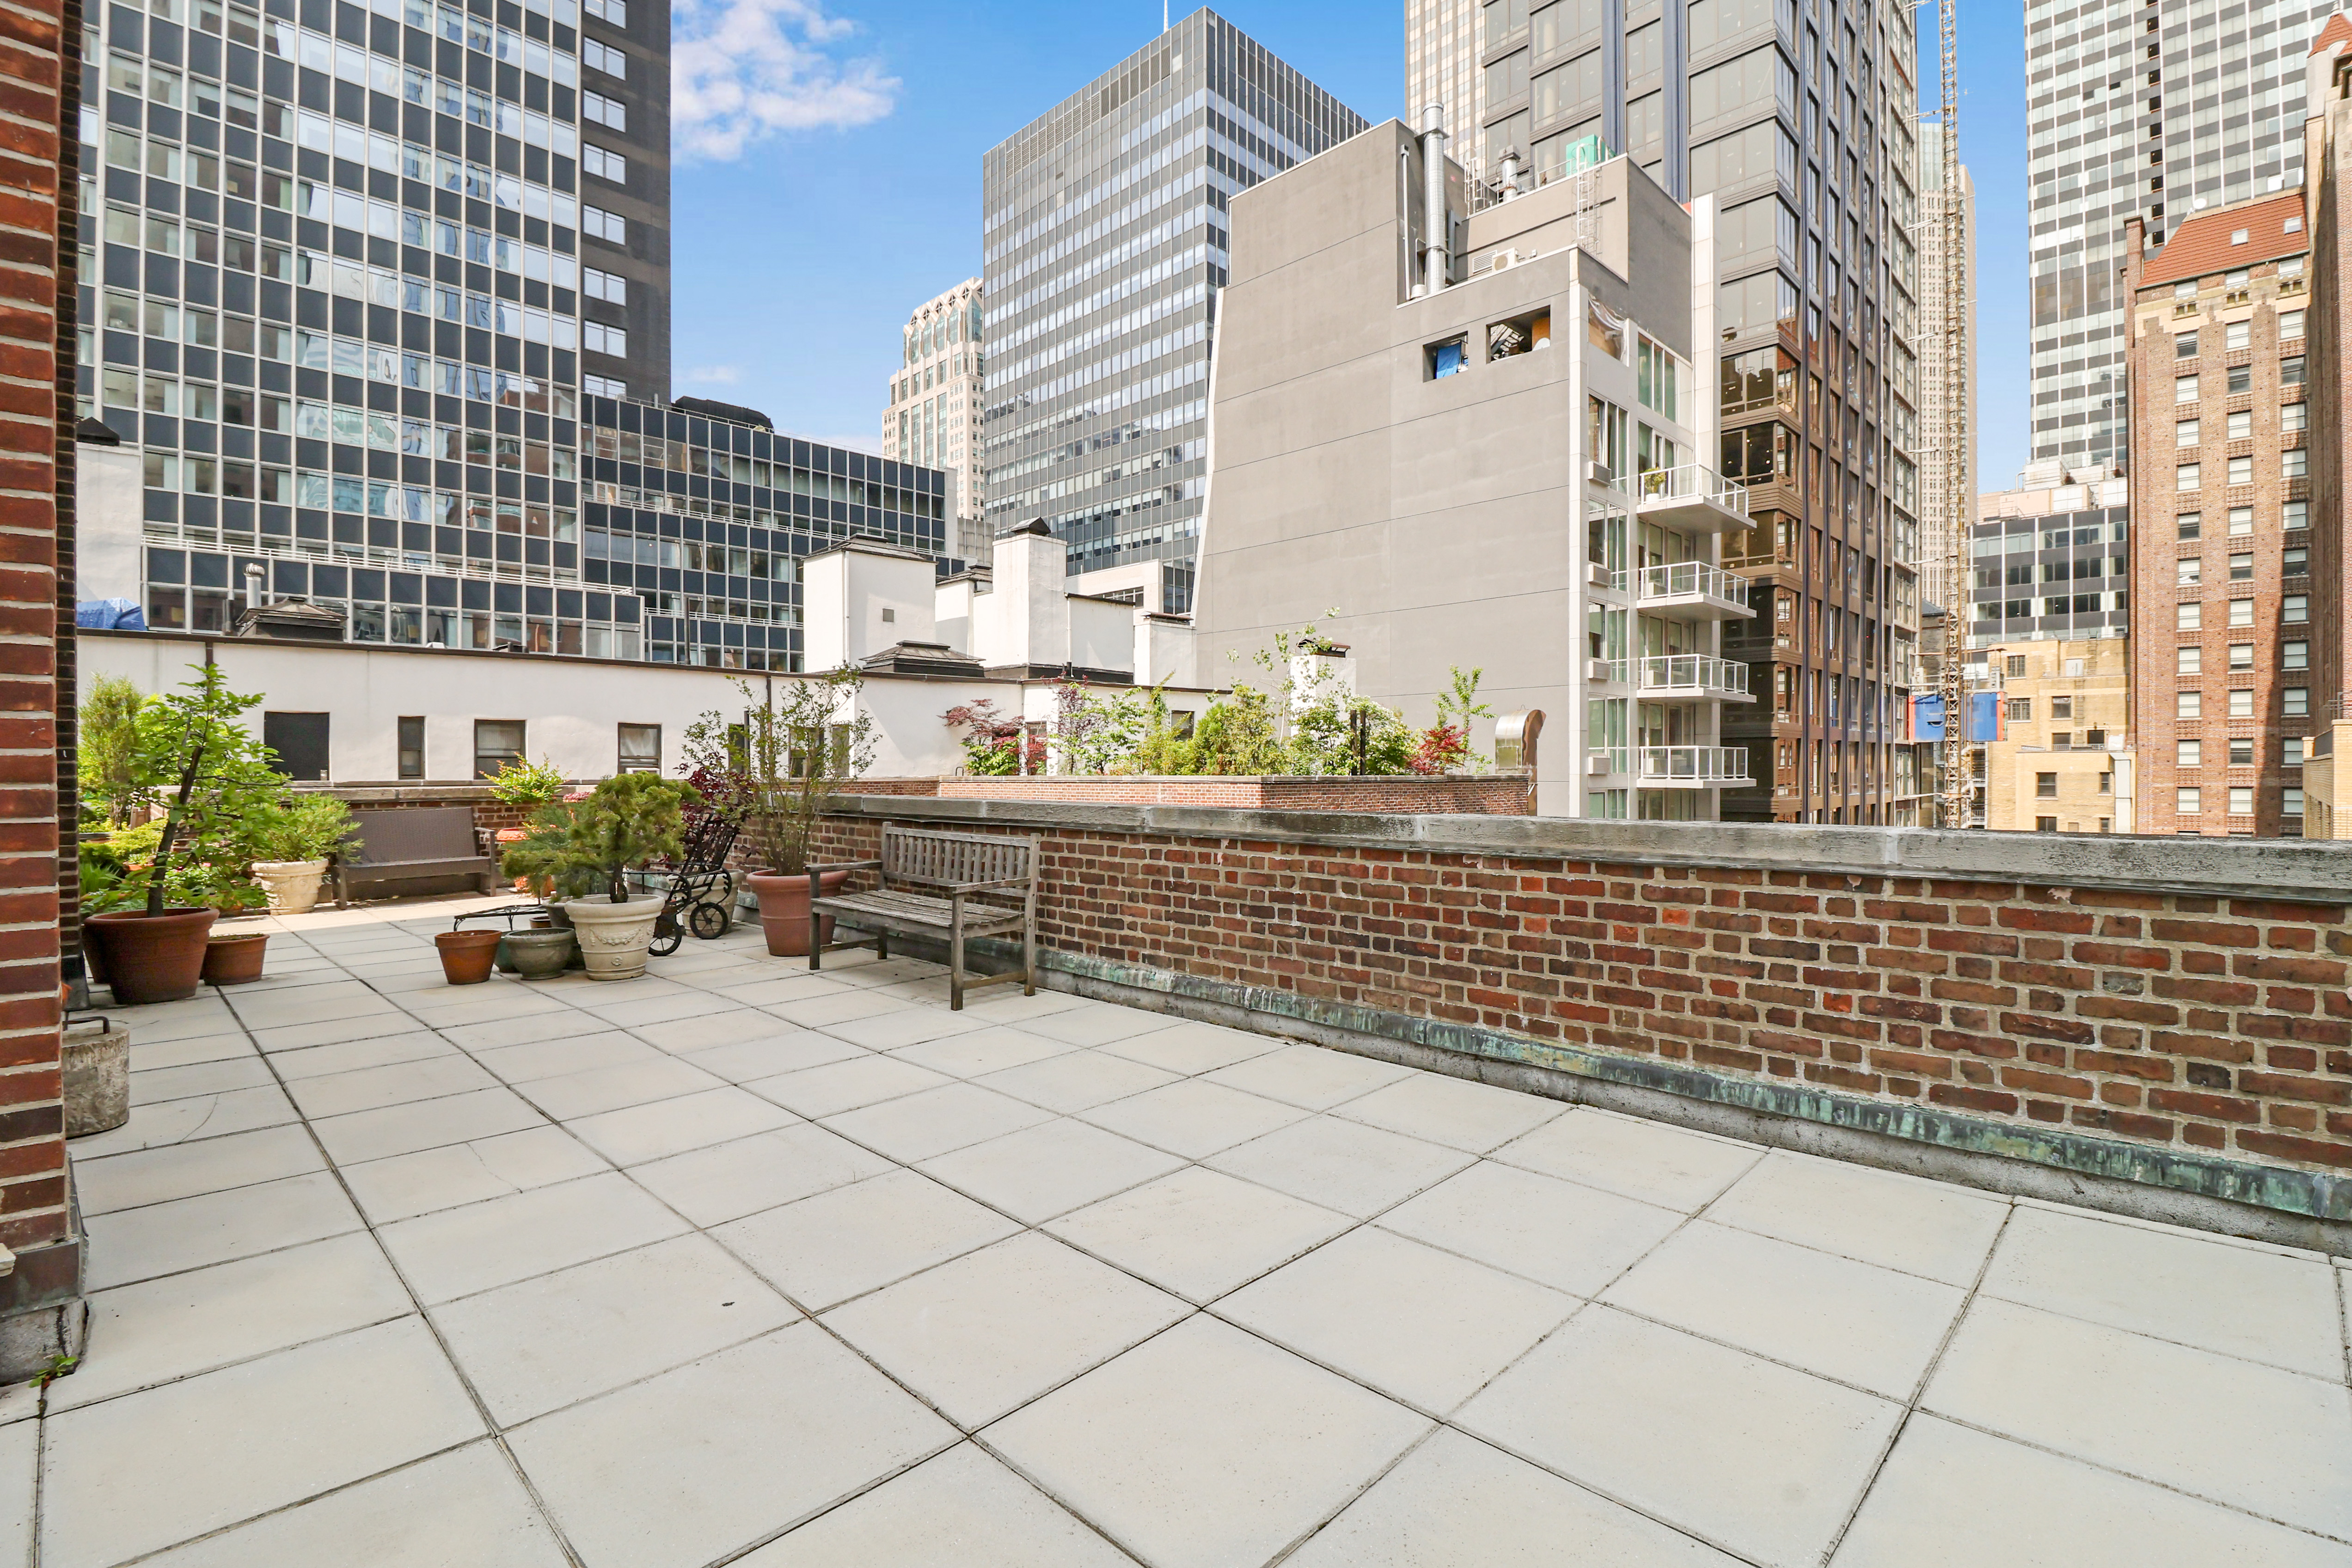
[
  {"x": 1689, "y": 496},
  {"x": 1691, "y": 767},
  {"x": 1693, "y": 674},
  {"x": 1688, "y": 590}
]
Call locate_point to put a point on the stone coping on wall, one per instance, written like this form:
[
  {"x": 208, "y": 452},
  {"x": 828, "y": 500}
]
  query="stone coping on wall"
[{"x": 2297, "y": 870}]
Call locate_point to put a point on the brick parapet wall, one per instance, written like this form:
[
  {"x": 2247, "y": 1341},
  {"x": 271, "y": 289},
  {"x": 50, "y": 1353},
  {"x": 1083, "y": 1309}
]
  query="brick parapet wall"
[
  {"x": 1491, "y": 794},
  {"x": 35, "y": 362},
  {"x": 2163, "y": 1016}
]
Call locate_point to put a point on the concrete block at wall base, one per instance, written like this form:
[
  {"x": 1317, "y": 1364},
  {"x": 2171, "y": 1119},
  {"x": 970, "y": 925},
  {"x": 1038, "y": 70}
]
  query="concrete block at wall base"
[
  {"x": 42, "y": 1314},
  {"x": 2227, "y": 1197}
]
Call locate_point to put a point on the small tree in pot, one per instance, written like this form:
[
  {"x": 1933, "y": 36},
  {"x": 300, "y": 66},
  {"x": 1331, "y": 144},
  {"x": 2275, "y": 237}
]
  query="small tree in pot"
[
  {"x": 797, "y": 742},
  {"x": 209, "y": 779},
  {"x": 584, "y": 849},
  {"x": 290, "y": 846}
]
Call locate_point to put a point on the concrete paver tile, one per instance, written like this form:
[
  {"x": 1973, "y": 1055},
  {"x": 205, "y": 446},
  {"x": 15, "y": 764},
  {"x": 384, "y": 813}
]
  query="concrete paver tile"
[
  {"x": 1309, "y": 1077},
  {"x": 130, "y": 1245},
  {"x": 1193, "y": 1119},
  {"x": 996, "y": 1327},
  {"x": 789, "y": 1049},
  {"x": 1199, "y": 1233},
  {"x": 985, "y": 1050},
  {"x": 1192, "y": 1047},
  {"x": 1645, "y": 1160},
  {"x": 1418, "y": 1324},
  {"x": 191, "y": 1121},
  {"x": 213, "y": 1450},
  {"x": 459, "y": 1251},
  {"x": 185, "y": 1170},
  {"x": 350, "y": 1055},
  {"x": 1455, "y": 1112},
  {"x": 1342, "y": 1165},
  {"x": 687, "y": 1468},
  {"x": 1927, "y": 1509},
  {"x": 841, "y": 1004},
  {"x": 542, "y": 1344},
  {"x": 397, "y": 1083},
  {"x": 961, "y": 1510},
  {"x": 1920, "y": 1227},
  {"x": 532, "y": 1060},
  {"x": 425, "y": 1124},
  {"x": 1205, "y": 1447},
  {"x": 1050, "y": 1169},
  {"x": 834, "y": 1245},
  {"x": 936, "y": 1121},
  {"x": 2238, "y": 1433},
  {"x": 835, "y": 1086},
  {"x": 1099, "y": 1024},
  {"x": 404, "y": 1185},
  {"x": 150, "y": 1086},
  {"x": 642, "y": 1132},
  {"x": 1761, "y": 1460},
  {"x": 728, "y": 1181},
  {"x": 1077, "y": 1082},
  {"x": 1571, "y": 1237},
  {"x": 593, "y": 1090},
  {"x": 907, "y": 1026}
]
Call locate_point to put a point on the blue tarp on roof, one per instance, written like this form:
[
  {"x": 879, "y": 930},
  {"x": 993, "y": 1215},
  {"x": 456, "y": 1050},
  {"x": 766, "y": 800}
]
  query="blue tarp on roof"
[{"x": 111, "y": 616}]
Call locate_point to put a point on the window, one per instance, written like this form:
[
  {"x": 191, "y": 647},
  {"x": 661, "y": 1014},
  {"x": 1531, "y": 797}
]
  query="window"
[
  {"x": 2290, "y": 324},
  {"x": 2188, "y": 705},
  {"x": 2240, "y": 378},
  {"x": 2296, "y": 562},
  {"x": 609, "y": 112},
  {"x": 2188, "y": 754},
  {"x": 599, "y": 339},
  {"x": 2295, "y": 655},
  {"x": 2045, "y": 823},
  {"x": 2242, "y": 426},
  {"x": 2094, "y": 738},
  {"x": 603, "y": 164},
  {"x": 604, "y": 386},
  {"x": 2294, "y": 701},
  {"x": 2242, "y": 705},
  {"x": 2241, "y": 655},
  {"x": 2237, "y": 335},
  {"x": 1655, "y": 370},
  {"x": 2186, "y": 802},
  {"x": 2045, "y": 786},
  {"x": 2184, "y": 432},
  {"x": 2242, "y": 520},
  {"x": 2241, "y": 470},
  {"x": 2187, "y": 617},
  {"x": 2190, "y": 660},
  {"x": 2291, "y": 371},
  {"x": 412, "y": 748},
  {"x": 2241, "y": 800},
  {"x": 604, "y": 58},
  {"x": 2185, "y": 478},
  {"x": 2184, "y": 345},
  {"x": 2242, "y": 751},
  {"x": 2242, "y": 612},
  {"x": 2062, "y": 741},
  {"x": 2021, "y": 709},
  {"x": 598, "y": 224},
  {"x": 2189, "y": 571},
  {"x": 497, "y": 742},
  {"x": 2290, "y": 751},
  {"x": 2294, "y": 416},
  {"x": 616, "y": 11},
  {"x": 2290, "y": 803},
  {"x": 2184, "y": 389},
  {"x": 2061, "y": 708},
  {"x": 609, "y": 286},
  {"x": 1451, "y": 358},
  {"x": 2016, "y": 663},
  {"x": 640, "y": 748},
  {"x": 2294, "y": 463},
  {"x": 2190, "y": 524},
  {"x": 2295, "y": 608}
]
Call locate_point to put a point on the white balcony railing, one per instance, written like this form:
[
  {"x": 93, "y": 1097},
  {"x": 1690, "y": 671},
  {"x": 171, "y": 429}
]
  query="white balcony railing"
[
  {"x": 1684, "y": 482},
  {"x": 1696, "y": 673},
  {"x": 1690, "y": 581},
  {"x": 1692, "y": 765}
]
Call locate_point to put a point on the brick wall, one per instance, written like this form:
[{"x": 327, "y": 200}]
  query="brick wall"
[
  {"x": 1493, "y": 794},
  {"x": 2200, "y": 1023},
  {"x": 34, "y": 378}
]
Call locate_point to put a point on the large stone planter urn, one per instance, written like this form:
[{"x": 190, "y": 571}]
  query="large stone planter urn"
[
  {"x": 292, "y": 885},
  {"x": 97, "y": 1063},
  {"x": 614, "y": 937}
]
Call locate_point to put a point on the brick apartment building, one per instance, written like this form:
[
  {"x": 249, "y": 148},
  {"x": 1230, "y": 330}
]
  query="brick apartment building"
[
  {"x": 2224, "y": 677},
  {"x": 2059, "y": 763},
  {"x": 2327, "y": 139}
]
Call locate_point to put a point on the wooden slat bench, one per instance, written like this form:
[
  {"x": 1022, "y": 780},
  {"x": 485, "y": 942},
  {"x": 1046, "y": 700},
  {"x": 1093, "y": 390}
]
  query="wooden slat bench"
[
  {"x": 411, "y": 850},
  {"x": 950, "y": 885}
]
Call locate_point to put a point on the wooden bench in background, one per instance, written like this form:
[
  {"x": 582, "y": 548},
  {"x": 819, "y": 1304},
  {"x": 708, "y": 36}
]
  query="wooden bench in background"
[
  {"x": 411, "y": 850},
  {"x": 938, "y": 885}
]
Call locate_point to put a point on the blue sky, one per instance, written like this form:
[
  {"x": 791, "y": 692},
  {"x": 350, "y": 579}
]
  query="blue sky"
[{"x": 828, "y": 175}]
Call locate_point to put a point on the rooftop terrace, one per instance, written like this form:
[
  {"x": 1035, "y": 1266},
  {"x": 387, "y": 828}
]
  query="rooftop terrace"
[{"x": 732, "y": 1264}]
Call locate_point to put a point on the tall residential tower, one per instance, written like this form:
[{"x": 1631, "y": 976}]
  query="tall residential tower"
[
  {"x": 934, "y": 413},
  {"x": 1105, "y": 236}
]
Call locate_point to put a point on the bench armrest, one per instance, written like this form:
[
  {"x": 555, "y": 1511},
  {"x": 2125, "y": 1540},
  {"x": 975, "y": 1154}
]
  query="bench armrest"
[{"x": 848, "y": 866}]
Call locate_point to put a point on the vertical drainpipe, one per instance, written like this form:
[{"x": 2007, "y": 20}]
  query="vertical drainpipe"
[{"x": 1435, "y": 225}]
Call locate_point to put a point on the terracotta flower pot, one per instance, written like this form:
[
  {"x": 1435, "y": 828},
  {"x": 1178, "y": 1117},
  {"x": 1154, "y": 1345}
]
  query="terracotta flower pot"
[
  {"x": 465, "y": 955},
  {"x": 151, "y": 957},
  {"x": 784, "y": 910},
  {"x": 504, "y": 837},
  {"x": 234, "y": 959}
]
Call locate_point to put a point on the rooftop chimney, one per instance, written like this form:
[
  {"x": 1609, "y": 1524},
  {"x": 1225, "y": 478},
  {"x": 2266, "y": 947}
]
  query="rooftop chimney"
[{"x": 1435, "y": 227}]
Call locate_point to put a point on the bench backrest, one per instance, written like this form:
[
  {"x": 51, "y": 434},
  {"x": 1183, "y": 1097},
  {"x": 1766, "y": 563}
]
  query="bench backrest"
[
  {"x": 407, "y": 834},
  {"x": 943, "y": 859}
]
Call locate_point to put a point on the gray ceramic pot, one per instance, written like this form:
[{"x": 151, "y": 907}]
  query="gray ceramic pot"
[{"x": 540, "y": 954}]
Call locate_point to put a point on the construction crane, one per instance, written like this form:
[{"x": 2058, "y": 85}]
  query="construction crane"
[{"x": 1951, "y": 438}]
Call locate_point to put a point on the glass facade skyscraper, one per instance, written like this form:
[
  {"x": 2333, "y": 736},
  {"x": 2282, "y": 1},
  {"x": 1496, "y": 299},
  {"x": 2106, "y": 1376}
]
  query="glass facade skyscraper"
[
  {"x": 2154, "y": 111},
  {"x": 1104, "y": 237}
]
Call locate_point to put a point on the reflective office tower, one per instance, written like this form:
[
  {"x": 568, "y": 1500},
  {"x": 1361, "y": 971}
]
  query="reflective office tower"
[
  {"x": 2154, "y": 111},
  {"x": 346, "y": 254},
  {"x": 934, "y": 413},
  {"x": 1946, "y": 434},
  {"x": 2051, "y": 560},
  {"x": 1104, "y": 237},
  {"x": 1441, "y": 65},
  {"x": 701, "y": 513},
  {"x": 1796, "y": 116}
]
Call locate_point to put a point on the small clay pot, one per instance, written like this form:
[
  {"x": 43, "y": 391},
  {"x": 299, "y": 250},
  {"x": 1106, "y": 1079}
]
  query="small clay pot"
[
  {"x": 151, "y": 957},
  {"x": 466, "y": 955},
  {"x": 784, "y": 910},
  {"x": 235, "y": 959}
]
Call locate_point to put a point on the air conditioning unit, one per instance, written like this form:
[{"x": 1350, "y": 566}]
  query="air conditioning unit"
[
  {"x": 1599, "y": 473},
  {"x": 1598, "y": 669},
  {"x": 1502, "y": 259},
  {"x": 1596, "y": 766},
  {"x": 1596, "y": 574}
]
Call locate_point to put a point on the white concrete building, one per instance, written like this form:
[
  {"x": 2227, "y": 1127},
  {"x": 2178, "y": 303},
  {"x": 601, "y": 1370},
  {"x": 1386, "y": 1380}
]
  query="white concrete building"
[{"x": 935, "y": 406}]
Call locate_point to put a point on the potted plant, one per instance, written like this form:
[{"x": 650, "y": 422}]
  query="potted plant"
[
  {"x": 780, "y": 765},
  {"x": 290, "y": 846},
  {"x": 205, "y": 779},
  {"x": 527, "y": 785},
  {"x": 586, "y": 848}
]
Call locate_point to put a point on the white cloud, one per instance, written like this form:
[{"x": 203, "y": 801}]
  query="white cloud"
[
  {"x": 716, "y": 375},
  {"x": 741, "y": 71}
]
